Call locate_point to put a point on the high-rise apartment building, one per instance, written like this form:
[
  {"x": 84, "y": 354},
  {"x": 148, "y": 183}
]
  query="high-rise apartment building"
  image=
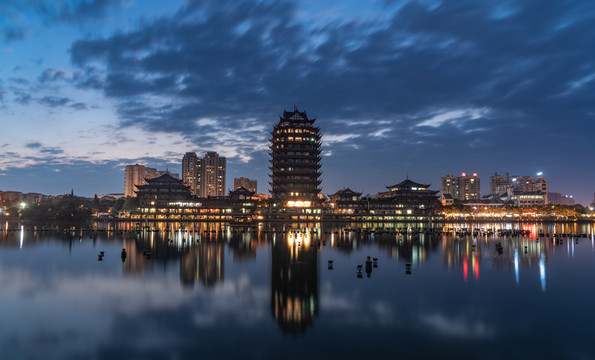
[
  {"x": 295, "y": 160},
  {"x": 211, "y": 171},
  {"x": 136, "y": 175},
  {"x": 449, "y": 185},
  {"x": 462, "y": 188},
  {"x": 469, "y": 187},
  {"x": 245, "y": 183},
  {"x": 190, "y": 173},
  {"x": 499, "y": 184}
]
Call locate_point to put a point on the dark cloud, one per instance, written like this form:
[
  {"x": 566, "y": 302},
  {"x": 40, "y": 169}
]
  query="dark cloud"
[
  {"x": 22, "y": 98},
  {"x": 34, "y": 145},
  {"x": 240, "y": 63},
  {"x": 54, "y": 101},
  {"x": 85, "y": 10},
  {"x": 51, "y": 12},
  {"x": 219, "y": 72},
  {"x": 50, "y": 74},
  {"x": 247, "y": 58},
  {"x": 19, "y": 80},
  {"x": 79, "y": 106},
  {"x": 51, "y": 150},
  {"x": 12, "y": 33}
]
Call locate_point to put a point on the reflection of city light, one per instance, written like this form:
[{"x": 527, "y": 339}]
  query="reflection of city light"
[
  {"x": 542, "y": 271},
  {"x": 476, "y": 268},
  {"x": 290, "y": 240},
  {"x": 516, "y": 265},
  {"x": 21, "y": 238},
  {"x": 465, "y": 269}
]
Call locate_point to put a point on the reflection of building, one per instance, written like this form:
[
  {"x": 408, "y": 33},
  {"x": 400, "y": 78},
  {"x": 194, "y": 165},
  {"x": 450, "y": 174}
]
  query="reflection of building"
[
  {"x": 211, "y": 177},
  {"x": 190, "y": 173},
  {"x": 295, "y": 160},
  {"x": 204, "y": 262},
  {"x": 294, "y": 282},
  {"x": 135, "y": 261}
]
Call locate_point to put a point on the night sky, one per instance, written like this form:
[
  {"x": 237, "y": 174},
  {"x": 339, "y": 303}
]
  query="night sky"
[{"x": 417, "y": 88}]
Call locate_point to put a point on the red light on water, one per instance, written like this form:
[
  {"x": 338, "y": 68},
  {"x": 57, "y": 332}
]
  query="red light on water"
[
  {"x": 476, "y": 268},
  {"x": 465, "y": 270}
]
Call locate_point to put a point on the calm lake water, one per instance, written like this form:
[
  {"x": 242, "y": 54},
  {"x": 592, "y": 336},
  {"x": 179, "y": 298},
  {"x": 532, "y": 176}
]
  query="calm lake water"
[{"x": 210, "y": 291}]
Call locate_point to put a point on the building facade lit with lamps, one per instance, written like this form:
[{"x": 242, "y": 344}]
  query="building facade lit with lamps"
[{"x": 295, "y": 161}]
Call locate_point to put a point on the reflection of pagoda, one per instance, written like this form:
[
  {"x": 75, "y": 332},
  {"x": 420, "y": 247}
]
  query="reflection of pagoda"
[
  {"x": 294, "y": 282},
  {"x": 295, "y": 160},
  {"x": 205, "y": 263}
]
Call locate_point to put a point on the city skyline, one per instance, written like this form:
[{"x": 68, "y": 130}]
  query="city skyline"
[{"x": 397, "y": 88}]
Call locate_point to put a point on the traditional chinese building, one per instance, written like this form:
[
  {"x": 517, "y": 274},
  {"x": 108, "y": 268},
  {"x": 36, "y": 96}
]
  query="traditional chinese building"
[
  {"x": 295, "y": 161},
  {"x": 161, "y": 190},
  {"x": 347, "y": 201},
  {"x": 410, "y": 194}
]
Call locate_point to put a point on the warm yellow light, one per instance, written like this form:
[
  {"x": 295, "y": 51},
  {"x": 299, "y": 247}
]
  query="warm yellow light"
[
  {"x": 290, "y": 239},
  {"x": 298, "y": 203}
]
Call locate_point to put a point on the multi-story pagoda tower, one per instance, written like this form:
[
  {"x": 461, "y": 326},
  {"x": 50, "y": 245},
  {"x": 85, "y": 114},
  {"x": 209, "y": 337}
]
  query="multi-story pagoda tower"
[{"x": 295, "y": 160}]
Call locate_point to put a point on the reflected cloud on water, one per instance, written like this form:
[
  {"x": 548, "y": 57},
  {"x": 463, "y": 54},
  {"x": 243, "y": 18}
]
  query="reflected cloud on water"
[{"x": 184, "y": 279}]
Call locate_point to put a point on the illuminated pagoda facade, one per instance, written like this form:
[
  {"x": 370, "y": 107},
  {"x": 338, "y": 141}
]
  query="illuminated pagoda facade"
[{"x": 295, "y": 161}]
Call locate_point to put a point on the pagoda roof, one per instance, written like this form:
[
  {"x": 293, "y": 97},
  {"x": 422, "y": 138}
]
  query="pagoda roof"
[
  {"x": 346, "y": 192},
  {"x": 165, "y": 181},
  {"x": 408, "y": 184},
  {"x": 241, "y": 191},
  {"x": 287, "y": 115},
  {"x": 164, "y": 178}
]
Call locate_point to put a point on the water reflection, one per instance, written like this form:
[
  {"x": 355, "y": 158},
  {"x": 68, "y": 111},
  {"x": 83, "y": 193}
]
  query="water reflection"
[
  {"x": 294, "y": 280},
  {"x": 205, "y": 281}
]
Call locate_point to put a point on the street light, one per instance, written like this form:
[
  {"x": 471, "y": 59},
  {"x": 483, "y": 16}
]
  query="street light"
[{"x": 23, "y": 205}]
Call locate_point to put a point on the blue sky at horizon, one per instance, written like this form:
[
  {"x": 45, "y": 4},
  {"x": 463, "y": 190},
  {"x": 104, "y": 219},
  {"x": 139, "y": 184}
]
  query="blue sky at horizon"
[{"x": 420, "y": 88}]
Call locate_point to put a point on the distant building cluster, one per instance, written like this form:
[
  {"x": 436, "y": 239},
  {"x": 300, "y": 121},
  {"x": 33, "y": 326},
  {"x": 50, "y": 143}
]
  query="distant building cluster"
[
  {"x": 295, "y": 187},
  {"x": 17, "y": 197},
  {"x": 517, "y": 190}
]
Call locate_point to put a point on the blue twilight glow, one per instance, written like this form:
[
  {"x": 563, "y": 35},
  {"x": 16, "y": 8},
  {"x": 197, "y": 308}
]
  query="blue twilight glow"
[{"x": 424, "y": 88}]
